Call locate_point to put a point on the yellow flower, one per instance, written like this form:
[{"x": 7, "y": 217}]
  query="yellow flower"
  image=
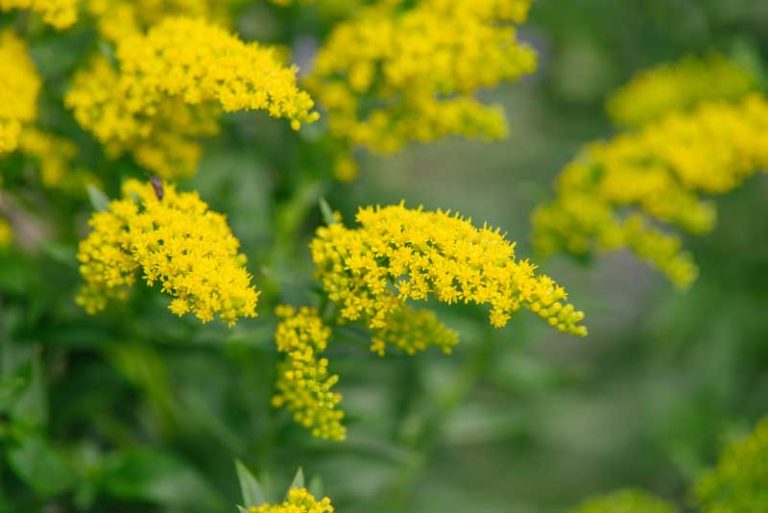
[
  {"x": 175, "y": 241},
  {"x": 169, "y": 90},
  {"x": 739, "y": 483},
  {"x": 304, "y": 385},
  {"x": 395, "y": 74},
  {"x": 399, "y": 254},
  {"x": 626, "y": 501},
  {"x": 6, "y": 233},
  {"x": 19, "y": 88},
  {"x": 615, "y": 192},
  {"x": 57, "y": 13},
  {"x": 679, "y": 86},
  {"x": 412, "y": 330},
  {"x": 299, "y": 500}
]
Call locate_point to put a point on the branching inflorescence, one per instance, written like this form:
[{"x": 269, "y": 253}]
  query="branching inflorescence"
[
  {"x": 170, "y": 86},
  {"x": 400, "y": 72},
  {"x": 617, "y": 193},
  {"x": 175, "y": 241}
]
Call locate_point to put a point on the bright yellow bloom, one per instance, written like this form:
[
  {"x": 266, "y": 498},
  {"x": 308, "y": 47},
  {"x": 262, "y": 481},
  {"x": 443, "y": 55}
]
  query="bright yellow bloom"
[
  {"x": 680, "y": 86},
  {"x": 615, "y": 192},
  {"x": 57, "y": 13},
  {"x": 399, "y": 254},
  {"x": 6, "y": 233},
  {"x": 299, "y": 500},
  {"x": 19, "y": 87},
  {"x": 172, "y": 84},
  {"x": 117, "y": 19},
  {"x": 395, "y": 74},
  {"x": 304, "y": 385},
  {"x": 175, "y": 241},
  {"x": 626, "y": 501},
  {"x": 413, "y": 330},
  {"x": 739, "y": 483}
]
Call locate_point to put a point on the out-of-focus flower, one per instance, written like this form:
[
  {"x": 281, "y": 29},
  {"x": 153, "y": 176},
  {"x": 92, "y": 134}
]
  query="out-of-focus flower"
[
  {"x": 6, "y": 233},
  {"x": 19, "y": 87},
  {"x": 60, "y": 14},
  {"x": 616, "y": 192},
  {"x": 170, "y": 88},
  {"x": 679, "y": 86},
  {"x": 175, "y": 241}
]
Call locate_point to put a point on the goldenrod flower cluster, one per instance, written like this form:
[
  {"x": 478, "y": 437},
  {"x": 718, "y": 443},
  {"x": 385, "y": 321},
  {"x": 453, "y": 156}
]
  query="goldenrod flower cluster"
[
  {"x": 57, "y": 13},
  {"x": 19, "y": 87},
  {"x": 413, "y": 330},
  {"x": 299, "y": 500},
  {"x": 117, "y": 19},
  {"x": 616, "y": 192},
  {"x": 304, "y": 385},
  {"x": 175, "y": 241},
  {"x": 739, "y": 483},
  {"x": 170, "y": 87},
  {"x": 399, "y": 254},
  {"x": 626, "y": 501},
  {"x": 679, "y": 86},
  {"x": 408, "y": 71}
]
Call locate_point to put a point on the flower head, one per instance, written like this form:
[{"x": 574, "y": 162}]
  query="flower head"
[
  {"x": 299, "y": 500},
  {"x": 170, "y": 87},
  {"x": 60, "y": 14},
  {"x": 739, "y": 483},
  {"x": 398, "y": 254},
  {"x": 19, "y": 87},
  {"x": 413, "y": 330},
  {"x": 304, "y": 384},
  {"x": 174, "y": 241}
]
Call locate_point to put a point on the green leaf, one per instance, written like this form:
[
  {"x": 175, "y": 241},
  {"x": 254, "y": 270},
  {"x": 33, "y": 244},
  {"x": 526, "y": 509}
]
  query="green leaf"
[
  {"x": 242, "y": 509},
  {"x": 99, "y": 200},
  {"x": 253, "y": 493},
  {"x": 298, "y": 479},
  {"x": 37, "y": 463},
  {"x": 316, "y": 487},
  {"x": 327, "y": 212}
]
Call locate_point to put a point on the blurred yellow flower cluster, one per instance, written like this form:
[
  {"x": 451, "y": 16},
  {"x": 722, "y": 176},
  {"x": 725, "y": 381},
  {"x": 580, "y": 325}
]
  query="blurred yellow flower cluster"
[
  {"x": 399, "y": 254},
  {"x": 19, "y": 87},
  {"x": 304, "y": 385},
  {"x": 408, "y": 71},
  {"x": 413, "y": 330},
  {"x": 57, "y": 13},
  {"x": 739, "y": 482},
  {"x": 299, "y": 500},
  {"x": 6, "y": 233},
  {"x": 615, "y": 193},
  {"x": 678, "y": 87},
  {"x": 174, "y": 240},
  {"x": 626, "y": 501},
  {"x": 170, "y": 87}
]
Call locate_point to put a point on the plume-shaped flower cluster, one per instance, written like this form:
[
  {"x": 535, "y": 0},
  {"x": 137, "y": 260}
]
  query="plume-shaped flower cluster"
[
  {"x": 19, "y": 87},
  {"x": 626, "y": 501},
  {"x": 408, "y": 71},
  {"x": 679, "y": 86},
  {"x": 615, "y": 193},
  {"x": 739, "y": 482},
  {"x": 299, "y": 500},
  {"x": 57, "y": 13},
  {"x": 174, "y": 240},
  {"x": 399, "y": 254},
  {"x": 304, "y": 384},
  {"x": 170, "y": 86}
]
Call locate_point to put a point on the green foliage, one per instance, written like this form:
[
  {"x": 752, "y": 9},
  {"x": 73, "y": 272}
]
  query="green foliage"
[{"x": 626, "y": 501}]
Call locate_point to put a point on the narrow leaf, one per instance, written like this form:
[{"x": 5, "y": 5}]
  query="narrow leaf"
[
  {"x": 325, "y": 209},
  {"x": 253, "y": 494},
  {"x": 99, "y": 200}
]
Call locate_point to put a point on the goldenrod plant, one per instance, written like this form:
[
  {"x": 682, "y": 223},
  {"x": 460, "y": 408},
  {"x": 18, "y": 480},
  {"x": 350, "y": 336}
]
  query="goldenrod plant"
[{"x": 295, "y": 233}]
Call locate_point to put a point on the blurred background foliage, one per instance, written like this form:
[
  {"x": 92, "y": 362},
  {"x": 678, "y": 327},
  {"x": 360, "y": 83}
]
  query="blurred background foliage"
[{"x": 137, "y": 410}]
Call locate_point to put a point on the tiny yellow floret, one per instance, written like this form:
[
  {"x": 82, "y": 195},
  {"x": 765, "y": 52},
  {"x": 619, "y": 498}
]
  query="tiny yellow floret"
[
  {"x": 299, "y": 500},
  {"x": 175, "y": 241}
]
